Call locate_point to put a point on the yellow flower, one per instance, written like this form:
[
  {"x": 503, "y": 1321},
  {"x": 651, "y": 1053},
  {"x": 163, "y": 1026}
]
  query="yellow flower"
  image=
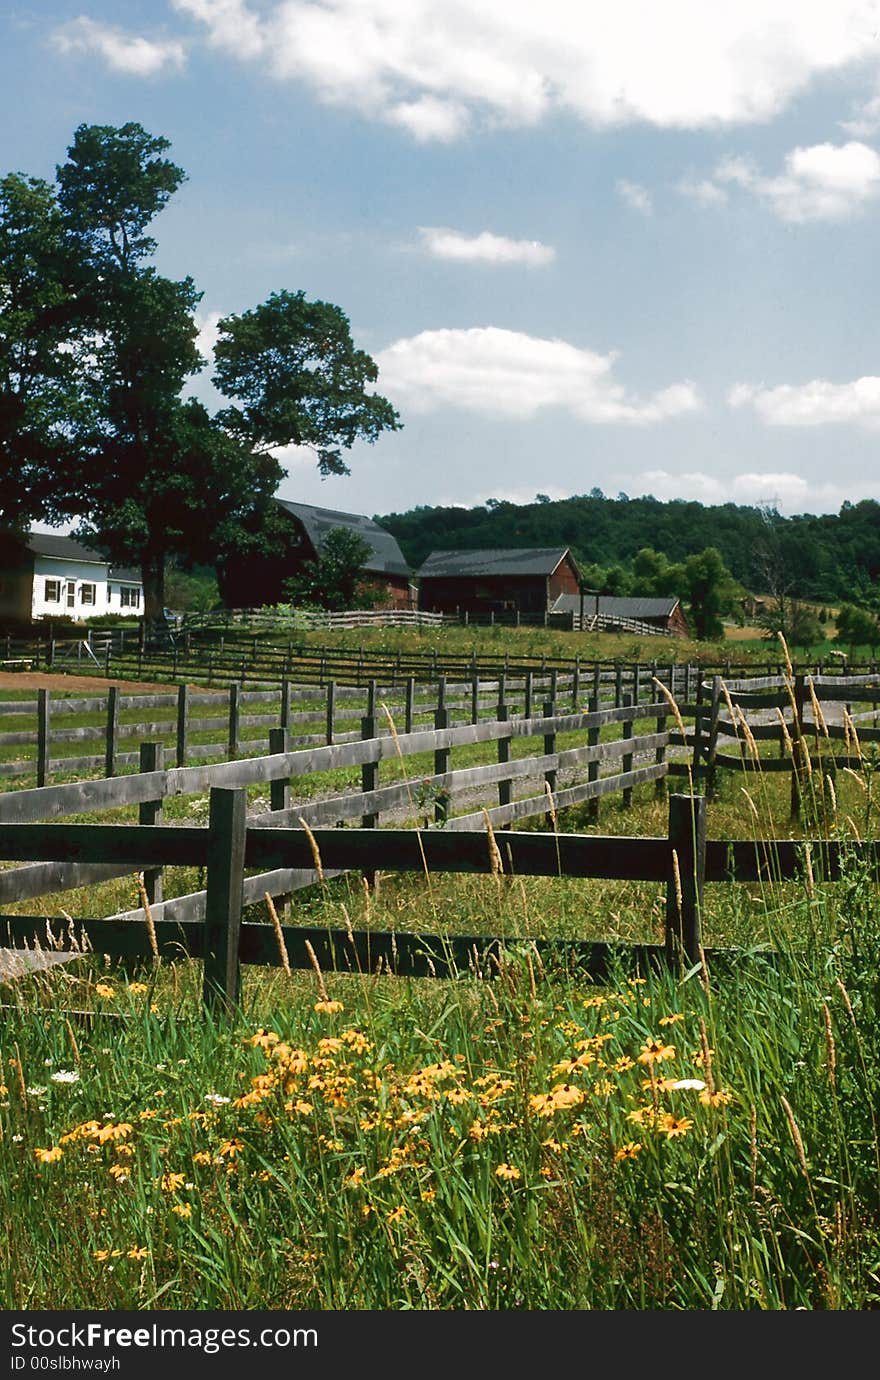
[
  {"x": 428, "y": 1195},
  {"x": 138, "y": 1253},
  {"x": 104, "y": 990},
  {"x": 120, "y": 1173},
  {"x": 628, "y": 1151},
  {"x": 507, "y": 1171},
  {"x": 170, "y": 1183},
  {"x": 202, "y": 1157},
  {"x": 355, "y": 1177},
  {"x": 328, "y": 1007},
  {"x": 118, "y": 1132},
  {"x": 231, "y": 1148},
  {"x": 675, "y": 1125},
  {"x": 396, "y": 1214},
  {"x": 670, "y": 1020},
  {"x": 138, "y": 987},
  {"x": 715, "y": 1099},
  {"x": 263, "y": 1039},
  {"x": 654, "y": 1051},
  {"x": 183, "y": 1209},
  {"x": 49, "y": 1156}
]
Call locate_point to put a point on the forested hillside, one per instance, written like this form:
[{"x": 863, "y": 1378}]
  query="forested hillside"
[{"x": 830, "y": 557}]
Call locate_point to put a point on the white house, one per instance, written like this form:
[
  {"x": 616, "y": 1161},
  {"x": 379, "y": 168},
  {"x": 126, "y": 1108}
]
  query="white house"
[{"x": 45, "y": 575}]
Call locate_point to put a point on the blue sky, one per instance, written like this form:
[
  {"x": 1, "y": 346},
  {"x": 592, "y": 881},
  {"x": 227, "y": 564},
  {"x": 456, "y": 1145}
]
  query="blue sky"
[{"x": 628, "y": 245}]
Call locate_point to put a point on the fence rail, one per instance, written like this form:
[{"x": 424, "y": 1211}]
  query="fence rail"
[{"x": 683, "y": 862}]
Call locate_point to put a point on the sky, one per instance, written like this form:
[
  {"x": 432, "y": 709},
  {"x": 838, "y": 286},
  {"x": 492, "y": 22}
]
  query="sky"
[{"x": 609, "y": 244}]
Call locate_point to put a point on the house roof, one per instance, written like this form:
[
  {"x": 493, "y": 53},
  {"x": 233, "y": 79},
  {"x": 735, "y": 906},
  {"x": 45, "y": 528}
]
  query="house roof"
[
  {"x": 615, "y": 606},
  {"x": 386, "y": 557},
  {"x": 61, "y": 548},
  {"x": 530, "y": 560}
]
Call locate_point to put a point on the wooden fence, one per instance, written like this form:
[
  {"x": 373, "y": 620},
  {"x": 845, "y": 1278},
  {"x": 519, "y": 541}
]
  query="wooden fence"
[
  {"x": 628, "y": 760},
  {"x": 231, "y": 844},
  {"x": 236, "y": 722}
]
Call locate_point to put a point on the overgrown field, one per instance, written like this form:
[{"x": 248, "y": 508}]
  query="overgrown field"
[{"x": 522, "y": 1139}]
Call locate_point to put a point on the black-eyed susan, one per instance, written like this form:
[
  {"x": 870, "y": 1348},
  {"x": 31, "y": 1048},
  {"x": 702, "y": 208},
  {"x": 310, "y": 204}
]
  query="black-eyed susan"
[
  {"x": 328, "y": 1007},
  {"x": 655, "y": 1051},
  {"x": 628, "y": 1151},
  {"x": 49, "y": 1156},
  {"x": 673, "y": 1126},
  {"x": 507, "y": 1172}
]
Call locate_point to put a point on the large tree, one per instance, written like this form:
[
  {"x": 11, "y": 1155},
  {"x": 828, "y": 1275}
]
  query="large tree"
[{"x": 97, "y": 348}]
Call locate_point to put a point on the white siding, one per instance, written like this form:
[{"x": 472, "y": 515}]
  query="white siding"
[{"x": 81, "y": 589}]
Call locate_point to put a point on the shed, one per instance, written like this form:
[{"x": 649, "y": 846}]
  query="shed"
[
  {"x": 665, "y": 613},
  {"x": 525, "y": 580}
]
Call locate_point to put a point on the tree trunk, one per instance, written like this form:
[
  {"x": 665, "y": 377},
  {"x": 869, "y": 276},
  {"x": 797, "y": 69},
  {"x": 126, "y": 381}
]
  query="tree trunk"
[{"x": 153, "y": 578}]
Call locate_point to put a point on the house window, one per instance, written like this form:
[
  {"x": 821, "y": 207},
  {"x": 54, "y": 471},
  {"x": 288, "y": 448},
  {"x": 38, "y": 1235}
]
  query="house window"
[
  {"x": 87, "y": 594},
  {"x": 52, "y": 592},
  {"x": 129, "y": 598}
]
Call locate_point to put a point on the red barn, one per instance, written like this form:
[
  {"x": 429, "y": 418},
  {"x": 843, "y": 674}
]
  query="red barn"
[{"x": 524, "y": 580}]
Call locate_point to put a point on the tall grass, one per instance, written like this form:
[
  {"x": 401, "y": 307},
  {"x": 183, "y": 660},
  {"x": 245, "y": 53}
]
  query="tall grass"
[{"x": 697, "y": 1140}]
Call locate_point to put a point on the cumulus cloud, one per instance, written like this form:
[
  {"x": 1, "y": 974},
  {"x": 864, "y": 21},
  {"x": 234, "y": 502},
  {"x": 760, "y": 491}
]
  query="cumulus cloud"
[
  {"x": 819, "y": 182},
  {"x": 635, "y": 195},
  {"x": 129, "y": 53},
  {"x": 782, "y": 489},
  {"x": 207, "y": 323},
  {"x": 508, "y": 374},
  {"x": 433, "y": 64},
  {"x": 816, "y": 403},
  {"x": 485, "y": 248}
]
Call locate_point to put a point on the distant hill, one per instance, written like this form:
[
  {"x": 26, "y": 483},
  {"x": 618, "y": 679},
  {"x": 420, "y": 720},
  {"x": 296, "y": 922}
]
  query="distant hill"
[{"x": 824, "y": 558}]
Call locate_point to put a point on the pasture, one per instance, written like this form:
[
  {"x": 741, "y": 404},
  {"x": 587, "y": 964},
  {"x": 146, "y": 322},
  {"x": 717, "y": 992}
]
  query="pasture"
[{"x": 519, "y": 1135}]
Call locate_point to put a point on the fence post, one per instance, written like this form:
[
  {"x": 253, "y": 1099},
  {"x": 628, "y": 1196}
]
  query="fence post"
[
  {"x": 593, "y": 767},
  {"x": 636, "y": 685},
  {"x": 687, "y": 873},
  {"x": 527, "y": 706},
  {"x": 549, "y": 750},
  {"x": 409, "y": 704},
  {"x": 441, "y": 754},
  {"x": 227, "y": 828},
  {"x": 627, "y": 760},
  {"x": 279, "y": 788},
  {"x": 475, "y": 698},
  {"x": 504, "y": 787},
  {"x": 712, "y": 745},
  {"x": 43, "y": 712},
  {"x": 152, "y": 758},
  {"x": 370, "y": 770},
  {"x": 576, "y": 683},
  {"x": 618, "y": 685},
  {"x": 234, "y": 720},
  {"x": 286, "y": 691},
  {"x": 182, "y": 718},
  {"x": 112, "y": 739},
  {"x": 330, "y": 712},
  {"x": 800, "y": 748},
  {"x": 660, "y": 758}
]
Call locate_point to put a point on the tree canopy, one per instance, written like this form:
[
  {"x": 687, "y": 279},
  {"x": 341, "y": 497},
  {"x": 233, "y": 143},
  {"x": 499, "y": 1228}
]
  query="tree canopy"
[{"x": 97, "y": 350}]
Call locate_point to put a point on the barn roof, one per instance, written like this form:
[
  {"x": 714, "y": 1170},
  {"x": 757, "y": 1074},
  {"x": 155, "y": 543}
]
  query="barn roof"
[
  {"x": 386, "y": 557},
  {"x": 530, "y": 560},
  {"x": 616, "y": 606}
]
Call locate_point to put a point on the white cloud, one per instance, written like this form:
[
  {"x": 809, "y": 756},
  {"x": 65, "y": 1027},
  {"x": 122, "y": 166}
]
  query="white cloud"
[
  {"x": 703, "y": 190},
  {"x": 635, "y": 196},
  {"x": 124, "y": 52},
  {"x": 430, "y": 64},
  {"x": 819, "y": 182},
  {"x": 485, "y": 248},
  {"x": 207, "y": 323},
  {"x": 508, "y": 374},
  {"x": 816, "y": 403},
  {"x": 785, "y": 490}
]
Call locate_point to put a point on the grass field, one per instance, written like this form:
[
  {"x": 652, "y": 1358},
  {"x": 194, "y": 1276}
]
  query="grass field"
[{"x": 706, "y": 1139}]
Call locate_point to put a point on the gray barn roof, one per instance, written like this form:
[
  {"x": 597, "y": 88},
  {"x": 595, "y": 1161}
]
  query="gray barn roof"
[
  {"x": 386, "y": 558},
  {"x": 531, "y": 560},
  {"x": 616, "y": 606},
  {"x": 62, "y": 548}
]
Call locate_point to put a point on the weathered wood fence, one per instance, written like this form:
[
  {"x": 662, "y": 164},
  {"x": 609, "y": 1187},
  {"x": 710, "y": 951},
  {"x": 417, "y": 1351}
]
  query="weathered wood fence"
[{"x": 684, "y": 861}]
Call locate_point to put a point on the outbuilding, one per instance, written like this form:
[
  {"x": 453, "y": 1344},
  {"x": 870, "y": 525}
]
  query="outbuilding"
[{"x": 524, "y": 580}]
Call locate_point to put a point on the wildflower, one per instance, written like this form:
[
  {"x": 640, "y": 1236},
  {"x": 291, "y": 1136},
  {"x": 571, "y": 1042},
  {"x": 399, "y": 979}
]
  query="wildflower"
[
  {"x": 216, "y": 1098},
  {"x": 202, "y": 1157},
  {"x": 396, "y": 1214},
  {"x": 64, "y": 1076},
  {"x": 675, "y": 1126},
  {"x": 49, "y": 1156},
  {"x": 428, "y": 1195},
  {"x": 655, "y": 1051},
  {"x": 628, "y": 1151},
  {"x": 147, "y": 1114},
  {"x": 103, "y": 989},
  {"x": 715, "y": 1097},
  {"x": 138, "y": 987},
  {"x": 183, "y": 1209},
  {"x": 507, "y": 1171},
  {"x": 37, "y": 1091},
  {"x": 692, "y": 1084},
  {"x": 671, "y": 1020},
  {"x": 356, "y": 1177},
  {"x": 120, "y": 1173},
  {"x": 328, "y": 1007},
  {"x": 138, "y": 1253},
  {"x": 230, "y": 1148},
  {"x": 263, "y": 1039},
  {"x": 114, "y": 1132},
  {"x": 170, "y": 1183}
]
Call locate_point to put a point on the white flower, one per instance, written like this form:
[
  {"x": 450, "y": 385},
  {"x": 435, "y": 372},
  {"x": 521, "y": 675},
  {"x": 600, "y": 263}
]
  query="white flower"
[
  {"x": 695, "y": 1084},
  {"x": 17, "y": 1139},
  {"x": 48, "y": 1063},
  {"x": 64, "y": 1076},
  {"x": 36, "y": 1092},
  {"x": 216, "y": 1099}
]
